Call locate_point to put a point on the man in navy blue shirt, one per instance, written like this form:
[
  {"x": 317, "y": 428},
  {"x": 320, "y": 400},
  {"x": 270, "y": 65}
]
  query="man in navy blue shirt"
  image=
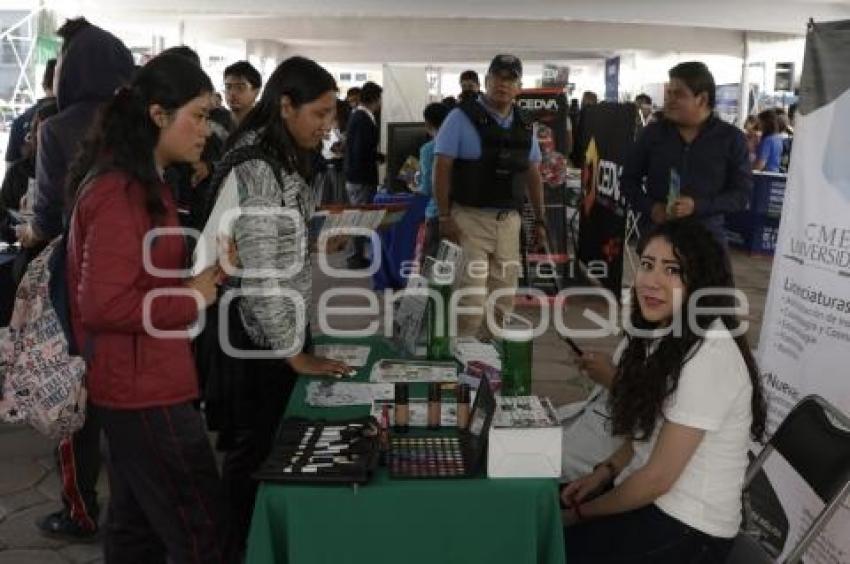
[
  {"x": 692, "y": 162},
  {"x": 487, "y": 163},
  {"x": 21, "y": 125},
  {"x": 361, "y": 162}
]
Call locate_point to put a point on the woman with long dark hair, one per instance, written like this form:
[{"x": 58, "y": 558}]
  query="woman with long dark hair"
[
  {"x": 752, "y": 133},
  {"x": 285, "y": 129},
  {"x": 686, "y": 399},
  {"x": 124, "y": 289},
  {"x": 769, "y": 151}
]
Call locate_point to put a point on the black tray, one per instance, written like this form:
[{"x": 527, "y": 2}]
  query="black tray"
[{"x": 310, "y": 451}]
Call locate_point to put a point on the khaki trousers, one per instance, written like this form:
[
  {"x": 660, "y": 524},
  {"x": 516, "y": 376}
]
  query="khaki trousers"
[{"x": 491, "y": 261}]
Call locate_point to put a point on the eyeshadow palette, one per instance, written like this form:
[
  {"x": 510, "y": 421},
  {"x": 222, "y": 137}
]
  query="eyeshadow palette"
[
  {"x": 451, "y": 456},
  {"x": 323, "y": 451},
  {"x": 426, "y": 457}
]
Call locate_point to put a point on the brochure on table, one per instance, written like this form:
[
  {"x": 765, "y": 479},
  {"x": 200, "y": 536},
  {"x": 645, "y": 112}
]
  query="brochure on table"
[
  {"x": 409, "y": 318},
  {"x": 413, "y": 371}
]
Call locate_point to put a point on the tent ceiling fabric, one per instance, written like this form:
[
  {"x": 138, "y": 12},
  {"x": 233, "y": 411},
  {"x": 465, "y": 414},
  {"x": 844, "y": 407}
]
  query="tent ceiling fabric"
[
  {"x": 449, "y": 30},
  {"x": 462, "y": 39},
  {"x": 787, "y": 16}
]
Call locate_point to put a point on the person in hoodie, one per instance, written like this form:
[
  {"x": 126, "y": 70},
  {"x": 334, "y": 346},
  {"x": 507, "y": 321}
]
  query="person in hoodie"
[{"x": 91, "y": 65}]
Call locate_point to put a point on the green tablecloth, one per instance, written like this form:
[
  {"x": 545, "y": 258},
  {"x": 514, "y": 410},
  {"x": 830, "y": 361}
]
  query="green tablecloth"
[{"x": 410, "y": 521}]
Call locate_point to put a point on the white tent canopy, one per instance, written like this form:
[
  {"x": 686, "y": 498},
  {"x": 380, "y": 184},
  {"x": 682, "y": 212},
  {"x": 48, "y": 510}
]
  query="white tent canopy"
[
  {"x": 443, "y": 31},
  {"x": 742, "y": 42}
]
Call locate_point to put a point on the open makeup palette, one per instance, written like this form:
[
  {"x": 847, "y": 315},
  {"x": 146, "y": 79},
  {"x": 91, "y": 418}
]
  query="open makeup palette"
[{"x": 459, "y": 455}]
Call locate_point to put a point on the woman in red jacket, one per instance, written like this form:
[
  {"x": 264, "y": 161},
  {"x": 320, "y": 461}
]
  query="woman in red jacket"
[{"x": 131, "y": 309}]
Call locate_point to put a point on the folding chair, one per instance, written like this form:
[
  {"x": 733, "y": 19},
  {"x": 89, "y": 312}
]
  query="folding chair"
[{"x": 815, "y": 440}]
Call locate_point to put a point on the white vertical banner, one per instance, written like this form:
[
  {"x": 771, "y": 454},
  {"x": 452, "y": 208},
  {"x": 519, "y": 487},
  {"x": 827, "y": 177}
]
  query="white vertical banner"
[
  {"x": 805, "y": 339},
  {"x": 405, "y": 96}
]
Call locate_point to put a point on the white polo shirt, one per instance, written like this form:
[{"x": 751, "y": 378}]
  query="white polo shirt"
[{"x": 714, "y": 394}]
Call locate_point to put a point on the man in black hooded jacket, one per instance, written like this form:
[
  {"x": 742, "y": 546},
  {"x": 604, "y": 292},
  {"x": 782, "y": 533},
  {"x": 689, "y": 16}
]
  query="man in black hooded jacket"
[{"x": 91, "y": 65}]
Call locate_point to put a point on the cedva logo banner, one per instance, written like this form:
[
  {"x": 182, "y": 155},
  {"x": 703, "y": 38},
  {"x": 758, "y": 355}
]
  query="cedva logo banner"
[{"x": 538, "y": 104}]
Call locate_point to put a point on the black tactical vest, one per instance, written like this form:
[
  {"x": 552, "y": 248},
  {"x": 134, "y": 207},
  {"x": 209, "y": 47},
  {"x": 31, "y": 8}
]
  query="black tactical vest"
[{"x": 495, "y": 180}]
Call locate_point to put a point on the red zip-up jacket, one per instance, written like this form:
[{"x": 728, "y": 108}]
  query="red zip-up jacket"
[{"x": 127, "y": 368}]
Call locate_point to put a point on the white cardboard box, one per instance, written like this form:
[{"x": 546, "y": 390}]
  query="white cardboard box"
[{"x": 525, "y": 449}]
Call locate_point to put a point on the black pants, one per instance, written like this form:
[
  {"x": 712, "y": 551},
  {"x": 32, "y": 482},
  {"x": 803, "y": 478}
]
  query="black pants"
[
  {"x": 78, "y": 461},
  {"x": 360, "y": 194},
  {"x": 164, "y": 488},
  {"x": 272, "y": 381},
  {"x": 643, "y": 536},
  {"x": 329, "y": 185}
]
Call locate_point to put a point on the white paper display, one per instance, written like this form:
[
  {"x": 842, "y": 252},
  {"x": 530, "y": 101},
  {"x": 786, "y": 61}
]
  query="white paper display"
[
  {"x": 343, "y": 394},
  {"x": 525, "y": 440},
  {"x": 412, "y": 371},
  {"x": 353, "y": 355}
]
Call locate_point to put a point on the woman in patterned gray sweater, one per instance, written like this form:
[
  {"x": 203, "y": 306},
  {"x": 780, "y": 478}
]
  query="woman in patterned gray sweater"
[{"x": 294, "y": 113}]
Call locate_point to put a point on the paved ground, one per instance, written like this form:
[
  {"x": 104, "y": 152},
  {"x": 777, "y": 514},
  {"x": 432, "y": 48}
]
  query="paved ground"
[{"x": 29, "y": 486}]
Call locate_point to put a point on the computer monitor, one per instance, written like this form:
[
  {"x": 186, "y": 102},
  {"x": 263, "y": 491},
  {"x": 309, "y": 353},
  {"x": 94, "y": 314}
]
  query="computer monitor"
[{"x": 404, "y": 139}]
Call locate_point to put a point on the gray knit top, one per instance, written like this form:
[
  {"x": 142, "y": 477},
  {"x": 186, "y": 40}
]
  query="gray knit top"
[{"x": 273, "y": 252}]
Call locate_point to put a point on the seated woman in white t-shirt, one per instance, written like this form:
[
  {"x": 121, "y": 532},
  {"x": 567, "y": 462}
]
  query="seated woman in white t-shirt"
[{"x": 686, "y": 400}]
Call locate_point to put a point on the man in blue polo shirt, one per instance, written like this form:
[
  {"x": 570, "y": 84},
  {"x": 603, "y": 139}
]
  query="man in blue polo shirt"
[{"x": 487, "y": 162}]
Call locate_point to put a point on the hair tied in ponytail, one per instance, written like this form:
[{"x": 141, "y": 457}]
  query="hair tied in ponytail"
[{"x": 124, "y": 137}]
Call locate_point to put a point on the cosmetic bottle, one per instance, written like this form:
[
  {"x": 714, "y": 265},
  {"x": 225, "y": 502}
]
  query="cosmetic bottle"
[
  {"x": 384, "y": 432},
  {"x": 463, "y": 406},
  {"x": 434, "y": 406},
  {"x": 401, "y": 414}
]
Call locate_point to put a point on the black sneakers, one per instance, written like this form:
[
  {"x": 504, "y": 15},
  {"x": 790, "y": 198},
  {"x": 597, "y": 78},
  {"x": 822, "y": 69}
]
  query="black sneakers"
[
  {"x": 358, "y": 263},
  {"x": 60, "y": 525}
]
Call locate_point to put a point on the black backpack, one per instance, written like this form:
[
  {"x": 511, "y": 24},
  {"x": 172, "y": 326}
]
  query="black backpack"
[{"x": 221, "y": 171}]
